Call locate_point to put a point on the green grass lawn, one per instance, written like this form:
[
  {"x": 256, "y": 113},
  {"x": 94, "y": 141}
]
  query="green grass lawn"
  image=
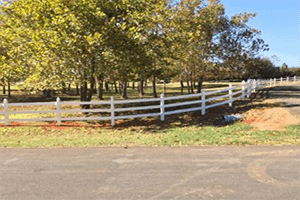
[{"x": 236, "y": 134}]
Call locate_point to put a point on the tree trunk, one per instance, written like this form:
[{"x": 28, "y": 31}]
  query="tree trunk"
[
  {"x": 100, "y": 87},
  {"x": 3, "y": 87},
  {"x": 83, "y": 94},
  {"x": 154, "y": 87},
  {"x": 200, "y": 81},
  {"x": 141, "y": 87},
  {"x": 63, "y": 90},
  {"x": 92, "y": 80},
  {"x": 192, "y": 85},
  {"x": 77, "y": 89},
  {"x": 146, "y": 84},
  {"x": 85, "y": 87},
  {"x": 181, "y": 86},
  {"x": 106, "y": 86},
  {"x": 116, "y": 87},
  {"x": 83, "y": 90},
  {"x": 133, "y": 86},
  {"x": 8, "y": 87},
  {"x": 188, "y": 86},
  {"x": 124, "y": 92},
  {"x": 91, "y": 90},
  {"x": 47, "y": 93},
  {"x": 69, "y": 87}
]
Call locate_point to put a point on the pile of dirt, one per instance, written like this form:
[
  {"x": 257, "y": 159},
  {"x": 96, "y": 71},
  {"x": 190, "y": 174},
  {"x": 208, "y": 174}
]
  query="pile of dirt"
[{"x": 270, "y": 118}]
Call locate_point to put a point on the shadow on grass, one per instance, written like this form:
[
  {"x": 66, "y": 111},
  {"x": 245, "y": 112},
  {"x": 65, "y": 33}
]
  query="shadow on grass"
[
  {"x": 215, "y": 116},
  {"x": 281, "y": 92},
  {"x": 212, "y": 117},
  {"x": 209, "y": 86}
]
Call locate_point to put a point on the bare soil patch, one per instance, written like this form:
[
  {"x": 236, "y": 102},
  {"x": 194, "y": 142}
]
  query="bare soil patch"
[
  {"x": 270, "y": 118},
  {"x": 282, "y": 109}
]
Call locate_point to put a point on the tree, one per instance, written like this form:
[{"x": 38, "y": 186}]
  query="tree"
[
  {"x": 295, "y": 71},
  {"x": 195, "y": 24},
  {"x": 275, "y": 59},
  {"x": 285, "y": 70},
  {"x": 239, "y": 45},
  {"x": 10, "y": 56},
  {"x": 58, "y": 42},
  {"x": 81, "y": 40}
]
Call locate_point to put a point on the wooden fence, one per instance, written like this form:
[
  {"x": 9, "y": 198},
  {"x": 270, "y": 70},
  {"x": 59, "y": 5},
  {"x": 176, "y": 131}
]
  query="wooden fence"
[{"x": 164, "y": 105}]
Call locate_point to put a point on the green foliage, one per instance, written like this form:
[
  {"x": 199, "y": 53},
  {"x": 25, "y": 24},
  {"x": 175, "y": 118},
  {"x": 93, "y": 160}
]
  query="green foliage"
[
  {"x": 51, "y": 43},
  {"x": 295, "y": 71},
  {"x": 285, "y": 71}
]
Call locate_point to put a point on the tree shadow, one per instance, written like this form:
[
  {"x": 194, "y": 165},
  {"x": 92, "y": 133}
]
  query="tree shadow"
[
  {"x": 215, "y": 116},
  {"x": 280, "y": 92}
]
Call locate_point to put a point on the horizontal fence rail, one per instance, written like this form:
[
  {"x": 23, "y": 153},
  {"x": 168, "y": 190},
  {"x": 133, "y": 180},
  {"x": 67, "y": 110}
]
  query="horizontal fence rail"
[{"x": 163, "y": 105}]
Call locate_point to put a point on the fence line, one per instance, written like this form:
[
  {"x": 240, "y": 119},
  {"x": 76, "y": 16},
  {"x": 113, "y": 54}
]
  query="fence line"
[{"x": 251, "y": 85}]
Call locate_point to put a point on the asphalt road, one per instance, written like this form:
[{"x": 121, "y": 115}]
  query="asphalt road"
[
  {"x": 289, "y": 97},
  {"x": 151, "y": 173}
]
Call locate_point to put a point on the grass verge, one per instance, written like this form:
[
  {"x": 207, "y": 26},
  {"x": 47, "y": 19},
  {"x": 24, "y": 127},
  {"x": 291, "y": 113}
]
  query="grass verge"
[{"x": 87, "y": 136}]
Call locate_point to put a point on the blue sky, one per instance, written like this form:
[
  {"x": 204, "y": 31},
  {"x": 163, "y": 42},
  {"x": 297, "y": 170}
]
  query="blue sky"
[{"x": 278, "y": 21}]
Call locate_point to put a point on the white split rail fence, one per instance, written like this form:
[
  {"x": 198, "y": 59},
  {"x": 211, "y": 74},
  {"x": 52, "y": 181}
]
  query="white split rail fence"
[{"x": 251, "y": 85}]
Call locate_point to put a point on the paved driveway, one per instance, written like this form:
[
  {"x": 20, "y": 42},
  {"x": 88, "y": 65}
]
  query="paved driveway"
[
  {"x": 288, "y": 96},
  {"x": 151, "y": 173}
]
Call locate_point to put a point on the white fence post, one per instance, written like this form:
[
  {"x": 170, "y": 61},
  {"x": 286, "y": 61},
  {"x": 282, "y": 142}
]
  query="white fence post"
[
  {"x": 254, "y": 85},
  {"x": 280, "y": 80},
  {"x": 230, "y": 95},
  {"x": 162, "y": 107},
  {"x": 112, "y": 111},
  {"x": 287, "y": 80},
  {"x": 294, "y": 79},
  {"x": 248, "y": 87},
  {"x": 243, "y": 89},
  {"x": 274, "y": 81},
  {"x": 6, "y": 115},
  {"x": 58, "y": 112},
  {"x": 203, "y": 101}
]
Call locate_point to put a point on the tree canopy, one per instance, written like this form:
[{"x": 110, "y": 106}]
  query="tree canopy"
[{"x": 51, "y": 43}]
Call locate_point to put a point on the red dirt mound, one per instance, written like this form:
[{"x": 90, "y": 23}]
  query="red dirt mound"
[{"x": 270, "y": 118}]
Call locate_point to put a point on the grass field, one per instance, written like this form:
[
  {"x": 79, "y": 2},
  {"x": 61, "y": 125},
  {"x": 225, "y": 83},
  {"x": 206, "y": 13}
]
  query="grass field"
[
  {"x": 177, "y": 130},
  {"x": 171, "y": 90},
  {"x": 236, "y": 134}
]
